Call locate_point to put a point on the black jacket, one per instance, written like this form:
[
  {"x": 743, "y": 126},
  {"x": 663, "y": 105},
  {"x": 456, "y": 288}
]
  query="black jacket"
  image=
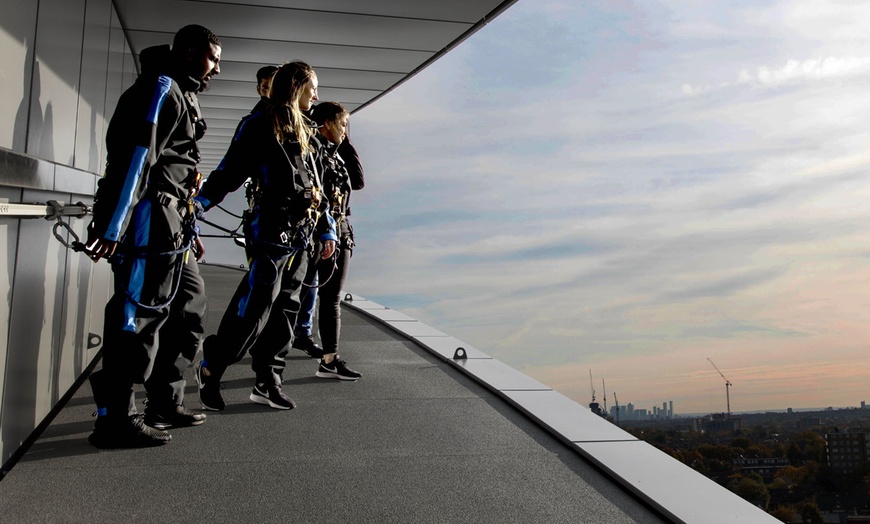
[
  {"x": 152, "y": 157},
  {"x": 284, "y": 178},
  {"x": 342, "y": 173}
]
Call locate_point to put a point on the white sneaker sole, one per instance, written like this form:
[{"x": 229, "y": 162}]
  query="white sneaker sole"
[
  {"x": 321, "y": 374},
  {"x": 257, "y": 399}
]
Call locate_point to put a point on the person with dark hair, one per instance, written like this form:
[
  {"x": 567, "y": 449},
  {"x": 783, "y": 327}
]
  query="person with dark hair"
[
  {"x": 264, "y": 84},
  {"x": 277, "y": 148},
  {"x": 342, "y": 173},
  {"x": 145, "y": 226}
]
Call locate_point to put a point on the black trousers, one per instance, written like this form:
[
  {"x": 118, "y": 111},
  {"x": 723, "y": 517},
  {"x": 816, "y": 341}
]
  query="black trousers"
[
  {"x": 332, "y": 279},
  {"x": 149, "y": 346},
  {"x": 260, "y": 318}
]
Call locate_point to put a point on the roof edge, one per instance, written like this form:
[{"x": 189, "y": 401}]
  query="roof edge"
[
  {"x": 501, "y": 8},
  {"x": 633, "y": 464}
]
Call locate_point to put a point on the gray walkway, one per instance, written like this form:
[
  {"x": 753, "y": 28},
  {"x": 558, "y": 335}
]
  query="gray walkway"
[{"x": 414, "y": 441}]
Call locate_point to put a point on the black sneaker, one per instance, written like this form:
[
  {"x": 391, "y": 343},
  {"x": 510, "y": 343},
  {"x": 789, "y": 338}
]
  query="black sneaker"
[
  {"x": 209, "y": 391},
  {"x": 308, "y": 345},
  {"x": 126, "y": 432},
  {"x": 174, "y": 417},
  {"x": 336, "y": 369},
  {"x": 271, "y": 396}
]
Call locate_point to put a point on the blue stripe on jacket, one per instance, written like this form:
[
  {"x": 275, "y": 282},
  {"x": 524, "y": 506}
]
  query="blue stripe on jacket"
[
  {"x": 137, "y": 272},
  {"x": 236, "y": 137},
  {"x": 137, "y": 164}
]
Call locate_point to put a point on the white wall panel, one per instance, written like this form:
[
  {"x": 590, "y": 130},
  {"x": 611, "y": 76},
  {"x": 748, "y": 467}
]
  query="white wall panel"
[
  {"x": 30, "y": 388},
  {"x": 73, "y": 354},
  {"x": 9, "y": 242},
  {"x": 54, "y": 92},
  {"x": 17, "y": 31},
  {"x": 115, "y": 76},
  {"x": 92, "y": 96}
]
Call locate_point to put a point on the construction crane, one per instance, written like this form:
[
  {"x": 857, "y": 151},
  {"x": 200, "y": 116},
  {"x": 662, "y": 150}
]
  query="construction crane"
[
  {"x": 592, "y": 385},
  {"x": 594, "y": 406},
  {"x": 727, "y": 388},
  {"x": 617, "y": 407},
  {"x": 604, "y": 389}
]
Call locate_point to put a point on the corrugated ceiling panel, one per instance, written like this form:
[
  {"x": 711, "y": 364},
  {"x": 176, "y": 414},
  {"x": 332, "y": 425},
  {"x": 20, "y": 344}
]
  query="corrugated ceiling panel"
[{"x": 360, "y": 48}]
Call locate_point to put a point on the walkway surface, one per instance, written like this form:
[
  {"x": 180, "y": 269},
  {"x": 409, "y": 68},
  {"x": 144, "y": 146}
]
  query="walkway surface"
[{"x": 414, "y": 441}]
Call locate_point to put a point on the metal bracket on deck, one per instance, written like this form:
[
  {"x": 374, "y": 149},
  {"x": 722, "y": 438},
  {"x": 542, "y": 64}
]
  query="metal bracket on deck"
[
  {"x": 348, "y": 298},
  {"x": 460, "y": 354}
]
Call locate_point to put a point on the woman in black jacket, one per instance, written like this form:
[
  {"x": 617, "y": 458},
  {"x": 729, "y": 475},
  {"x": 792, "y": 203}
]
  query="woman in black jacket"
[
  {"x": 342, "y": 173},
  {"x": 277, "y": 149}
]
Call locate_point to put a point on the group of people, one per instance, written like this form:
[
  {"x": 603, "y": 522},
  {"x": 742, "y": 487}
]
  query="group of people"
[{"x": 299, "y": 168}]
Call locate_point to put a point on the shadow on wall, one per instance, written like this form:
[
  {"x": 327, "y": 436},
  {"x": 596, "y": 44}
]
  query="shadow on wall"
[
  {"x": 94, "y": 151},
  {"x": 40, "y": 132},
  {"x": 28, "y": 319},
  {"x": 19, "y": 138},
  {"x": 41, "y": 128},
  {"x": 63, "y": 89}
]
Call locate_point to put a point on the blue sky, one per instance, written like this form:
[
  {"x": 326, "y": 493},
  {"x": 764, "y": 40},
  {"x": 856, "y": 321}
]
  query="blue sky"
[{"x": 632, "y": 188}]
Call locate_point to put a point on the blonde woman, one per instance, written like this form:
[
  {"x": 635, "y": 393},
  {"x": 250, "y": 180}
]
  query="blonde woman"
[{"x": 277, "y": 149}]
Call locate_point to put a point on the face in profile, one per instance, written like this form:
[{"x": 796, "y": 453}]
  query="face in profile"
[
  {"x": 308, "y": 94},
  {"x": 206, "y": 65},
  {"x": 264, "y": 86},
  {"x": 336, "y": 130}
]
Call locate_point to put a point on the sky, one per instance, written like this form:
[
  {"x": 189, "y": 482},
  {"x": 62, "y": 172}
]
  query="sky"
[{"x": 636, "y": 189}]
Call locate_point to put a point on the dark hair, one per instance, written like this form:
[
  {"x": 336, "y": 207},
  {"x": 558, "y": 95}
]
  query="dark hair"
[
  {"x": 328, "y": 112},
  {"x": 194, "y": 37},
  {"x": 287, "y": 87},
  {"x": 266, "y": 72}
]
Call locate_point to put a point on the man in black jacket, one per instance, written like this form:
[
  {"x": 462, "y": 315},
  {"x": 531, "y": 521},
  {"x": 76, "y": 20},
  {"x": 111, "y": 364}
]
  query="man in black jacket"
[
  {"x": 144, "y": 224},
  {"x": 264, "y": 83}
]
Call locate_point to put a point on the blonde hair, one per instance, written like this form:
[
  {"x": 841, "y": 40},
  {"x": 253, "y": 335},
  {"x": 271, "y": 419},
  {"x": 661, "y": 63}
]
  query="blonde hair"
[{"x": 287, "y": 118}]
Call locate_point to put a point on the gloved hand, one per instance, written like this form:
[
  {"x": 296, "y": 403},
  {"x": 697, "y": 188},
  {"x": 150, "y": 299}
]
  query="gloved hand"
[{"x": 198, "y": 210}]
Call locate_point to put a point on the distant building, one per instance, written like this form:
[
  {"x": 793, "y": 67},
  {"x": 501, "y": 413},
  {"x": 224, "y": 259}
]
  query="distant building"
[
  {"x": 846, "y": 450},
  {"x": 765, "y": 467},
  {"x": 717, "y": 422},
  {"x": 595, "y": 407},
  {"x": 630, "y": 412},
  {"x": 618, "y": 413},
  {"x": 808, "y": 423}
]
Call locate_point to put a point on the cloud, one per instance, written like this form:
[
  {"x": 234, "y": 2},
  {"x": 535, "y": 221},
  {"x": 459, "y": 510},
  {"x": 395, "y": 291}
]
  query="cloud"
[
  {"x": 810, "y": 69},
  {"x": 792, "y": 72}
]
